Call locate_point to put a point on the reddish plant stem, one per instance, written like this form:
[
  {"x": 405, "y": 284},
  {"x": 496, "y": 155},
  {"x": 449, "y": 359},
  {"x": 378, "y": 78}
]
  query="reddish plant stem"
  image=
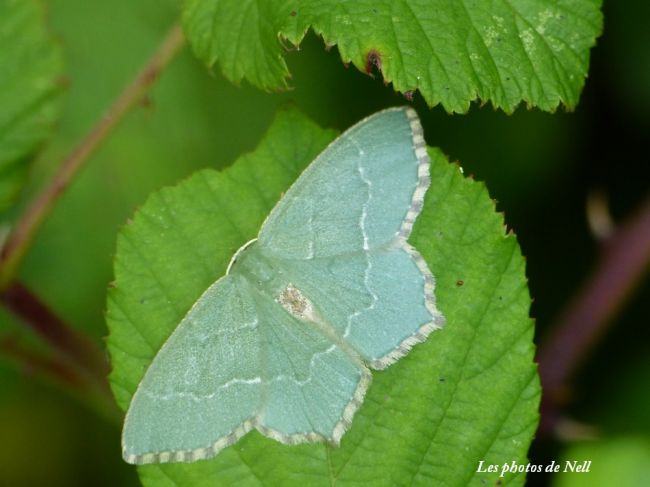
[
  {"x": 25, "y": 230},
  {"x": 52, "y": 365},
  {"x": 77, "y": 348},
  {"x": 34, "y": 362},
  {"x": 76, "y": 360},
  {"x": 624, "y": 261}
]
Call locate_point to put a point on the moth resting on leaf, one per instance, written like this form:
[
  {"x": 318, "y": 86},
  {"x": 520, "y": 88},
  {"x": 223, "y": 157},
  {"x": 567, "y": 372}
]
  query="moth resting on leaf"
[{"x": 330, "y": 288}]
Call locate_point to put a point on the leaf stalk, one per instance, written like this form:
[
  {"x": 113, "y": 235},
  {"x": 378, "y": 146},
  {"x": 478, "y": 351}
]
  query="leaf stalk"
[
  {"x": 624, "y": 261},
  {"x": 23, "y": 234}
]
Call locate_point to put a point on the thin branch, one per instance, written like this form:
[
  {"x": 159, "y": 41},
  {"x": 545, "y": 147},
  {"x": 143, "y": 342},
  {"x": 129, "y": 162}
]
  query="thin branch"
[
  {"x": 72, "y": 359},
  {"x": 54, "y": 366},
  {"x": 28, "y": 225},
  {"x": 75, "y": 359},
  {"x": 32, "y": 362},
  {"x": 624, "y": 262},
  {"x": 79, "y": 349}
]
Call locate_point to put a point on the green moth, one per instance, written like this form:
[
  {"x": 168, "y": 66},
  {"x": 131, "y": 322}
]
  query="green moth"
[{"x": 330, "y": 289}]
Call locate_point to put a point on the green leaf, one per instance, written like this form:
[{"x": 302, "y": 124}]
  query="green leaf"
[
  {"x": 242, "y": 36},
  {"x": 501, "y": 51},
  {"x": 469, "y": 393},
  {"x": 30, "y": 71}
]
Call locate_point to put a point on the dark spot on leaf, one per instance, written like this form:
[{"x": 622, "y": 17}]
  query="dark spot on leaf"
[
  {"x": 293, "y": 13},
  {"x": 63, "y": 81},
  {"x": 498, "y": 482},
  {"x": 142, "y": 300},
  {"x": 460, "y": 282},
  {"x": 442, "y": 379},
  {"x": 373, "y": 61},
  {"x": 146, "y": 101},
  {"x": 150, "y": 75}
]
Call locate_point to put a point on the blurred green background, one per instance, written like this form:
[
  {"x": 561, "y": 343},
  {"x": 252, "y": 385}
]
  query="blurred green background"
[{"x": 540, "y": 167}]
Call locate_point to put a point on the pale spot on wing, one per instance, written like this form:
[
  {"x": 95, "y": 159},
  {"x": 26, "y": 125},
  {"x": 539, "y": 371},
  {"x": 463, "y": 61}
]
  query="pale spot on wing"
[{"x": 295, "y": 302}]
